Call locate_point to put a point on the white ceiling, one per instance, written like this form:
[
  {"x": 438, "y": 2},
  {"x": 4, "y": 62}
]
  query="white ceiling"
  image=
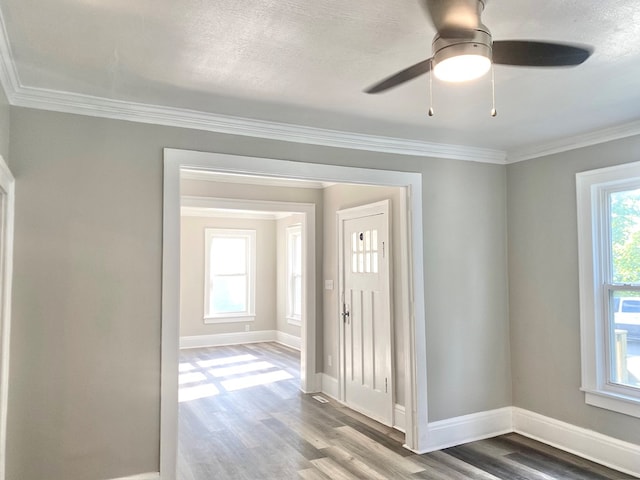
[{"x": 306, "y": 63}]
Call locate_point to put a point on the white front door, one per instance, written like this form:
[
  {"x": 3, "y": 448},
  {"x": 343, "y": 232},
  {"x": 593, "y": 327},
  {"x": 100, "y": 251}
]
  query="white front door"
[{"x": 365, "y": 323}]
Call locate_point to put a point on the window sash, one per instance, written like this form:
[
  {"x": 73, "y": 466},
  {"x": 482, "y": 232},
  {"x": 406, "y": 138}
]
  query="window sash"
[
  {"x": 294, "y": 272},
  {"x": 237, "y": 276},
  {"x": 597, "y": 324}
]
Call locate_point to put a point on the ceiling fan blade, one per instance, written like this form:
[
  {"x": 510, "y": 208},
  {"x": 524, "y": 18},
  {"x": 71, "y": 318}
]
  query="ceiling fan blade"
[
  {"x": 454, "y": 18},
  {"x": 401, "y": 77},
  {"x": 539, "y": 54}
]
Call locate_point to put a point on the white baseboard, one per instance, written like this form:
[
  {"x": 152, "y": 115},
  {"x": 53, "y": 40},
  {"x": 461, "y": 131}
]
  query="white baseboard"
[
  {"x": 256, "y": 336},
  {"x": 288, "y": 340},
  {"x": 399, "y": 418},
  {"x": 142, "y": 476},
  {"x": 608, "y": 451},
  {"x": 329, "y": 386},
  {"x": 468, "y": 428}
]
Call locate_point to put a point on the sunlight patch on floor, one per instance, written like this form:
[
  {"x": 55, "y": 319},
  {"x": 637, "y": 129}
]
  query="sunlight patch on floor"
[
  {"x": 225, "y": 361},
  {"x": 199, "y": 391},
  {"x": 237, "y": 369},
  {"x": 255, "y": 380}
]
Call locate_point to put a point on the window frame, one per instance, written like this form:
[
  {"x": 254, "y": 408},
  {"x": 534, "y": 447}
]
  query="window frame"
[
  {"x": 595, "y": 284},
  {"x": 250, "y": 261},
  {"x": 291, "y": 232}
]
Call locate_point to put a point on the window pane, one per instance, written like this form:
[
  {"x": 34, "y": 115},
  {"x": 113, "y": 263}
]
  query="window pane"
[
  {"x": 624, "y": 338},
  {"x": 297, "y": 297},
  {"x": 625, "y": 236},
  {"x": 229, "y": 294},
  {"x": 228, "y": 255}
]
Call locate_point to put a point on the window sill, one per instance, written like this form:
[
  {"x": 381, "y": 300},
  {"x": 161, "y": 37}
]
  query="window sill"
[
  {"x": 294, "y": 321},
  {"x": 229, "y": 319},
  {"x": 613, "y": 401}
]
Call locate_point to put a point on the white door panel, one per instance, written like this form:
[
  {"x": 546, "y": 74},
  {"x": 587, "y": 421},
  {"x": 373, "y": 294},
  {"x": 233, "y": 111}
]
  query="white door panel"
[{"x": 366, "y": 320}]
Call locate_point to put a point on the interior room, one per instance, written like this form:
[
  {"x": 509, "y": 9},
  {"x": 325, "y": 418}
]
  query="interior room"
[{"x": 508, "y": 210}]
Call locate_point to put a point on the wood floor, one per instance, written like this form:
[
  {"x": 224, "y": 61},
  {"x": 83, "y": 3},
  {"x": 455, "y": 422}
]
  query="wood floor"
[{"x": 243, "y": 417}]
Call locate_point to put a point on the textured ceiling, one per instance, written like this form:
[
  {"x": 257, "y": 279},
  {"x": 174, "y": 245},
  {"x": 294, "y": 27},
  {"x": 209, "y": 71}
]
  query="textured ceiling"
[{"x": 306, "y": 63}]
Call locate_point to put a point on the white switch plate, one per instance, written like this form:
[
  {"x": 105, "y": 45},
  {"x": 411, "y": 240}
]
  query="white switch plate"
[{"x": 328, "y": 284}]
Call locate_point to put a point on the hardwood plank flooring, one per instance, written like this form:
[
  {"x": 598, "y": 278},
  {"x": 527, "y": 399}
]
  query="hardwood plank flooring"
[{"x": 242, "y": 417}]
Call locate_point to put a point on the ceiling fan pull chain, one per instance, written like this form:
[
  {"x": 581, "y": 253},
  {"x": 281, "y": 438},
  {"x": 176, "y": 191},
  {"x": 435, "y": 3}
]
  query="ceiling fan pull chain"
[
  {"x": 430, "y": 95},
  {"x": 494, "y": 112}
]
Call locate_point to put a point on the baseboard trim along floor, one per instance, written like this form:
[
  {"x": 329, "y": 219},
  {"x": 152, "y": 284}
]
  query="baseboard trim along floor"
[{"x": 608, "y": 451}]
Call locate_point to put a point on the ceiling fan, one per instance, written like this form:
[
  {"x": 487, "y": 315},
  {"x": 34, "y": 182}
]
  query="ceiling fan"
[{"x": 464, "y": 50}]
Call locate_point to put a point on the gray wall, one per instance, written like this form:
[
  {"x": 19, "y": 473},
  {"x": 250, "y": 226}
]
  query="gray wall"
[
  {"x": 4, "y": 126},
  {"x": 543, "y": 282},
  {"x": 84, "y": 396},
  {"x": 468, "y": 364},
  {"x": 192, "y": 275}
]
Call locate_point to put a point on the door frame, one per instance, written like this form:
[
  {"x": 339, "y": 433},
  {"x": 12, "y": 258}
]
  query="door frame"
[
  {"x": 7, "y": 203},
  {"x": 369, "y": 209},
  {"x": 411, "y": 272}
]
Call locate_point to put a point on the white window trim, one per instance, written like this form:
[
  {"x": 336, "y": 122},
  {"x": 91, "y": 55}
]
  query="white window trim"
[
  {"x": 592, "y": 189},
  {"x": 240, "y": 317},
  {"x": 291, "y": 230}
]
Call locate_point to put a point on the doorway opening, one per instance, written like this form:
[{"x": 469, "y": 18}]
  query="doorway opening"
[{"x": 410, "y": 278}]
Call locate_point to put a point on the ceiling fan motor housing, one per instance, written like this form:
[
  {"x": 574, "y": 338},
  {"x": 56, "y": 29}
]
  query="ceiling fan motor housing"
[{"x": 477, "y": 44}]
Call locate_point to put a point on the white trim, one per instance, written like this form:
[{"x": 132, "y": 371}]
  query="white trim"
[
  {"x": 592, "y": 190},
  {"x": 142, "y": 476},
  {"x": 220, "y": 213},
  {"x": 398, "y": 417},
  {"x": 288, "y": 340},
  {"x": 588, "y": 444},
  {"x": 68, "y": 102},
  {"x": 7, "y": 189},
  {"x": 572, "y": 143},
  {"x": 219, "y": 339},
  {"x": 296, "y": 322},
  {"x": 468, "y": 428},
  {"x": 229, "y": 319},
  {"x": 174, "y": 160},
  {"x": 329, "y": 386},
  {"x": 251, "y": 180}
]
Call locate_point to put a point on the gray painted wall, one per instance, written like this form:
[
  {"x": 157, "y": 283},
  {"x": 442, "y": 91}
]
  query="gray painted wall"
[
  {"x": 543, "y": 282},
  {"x": 192, "y": 275},
  {"x": 4, "y": 126},
  {"x": 84, "y": 397}
]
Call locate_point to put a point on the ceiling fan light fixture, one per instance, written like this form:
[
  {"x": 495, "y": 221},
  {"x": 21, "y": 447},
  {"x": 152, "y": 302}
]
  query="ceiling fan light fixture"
[
  {"x": 462, "y": 68},
  {"x": 456, "y": 60}
]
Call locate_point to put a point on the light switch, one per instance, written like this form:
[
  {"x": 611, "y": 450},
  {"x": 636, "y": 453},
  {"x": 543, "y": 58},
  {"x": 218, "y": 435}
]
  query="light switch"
[{"x": 328, "y": 284}]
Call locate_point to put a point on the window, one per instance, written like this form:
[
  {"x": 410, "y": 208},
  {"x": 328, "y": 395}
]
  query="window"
[
  {"x": 294, "y": 274},
  {"x": 364, "y": 251},
  {"x": 609, "y": 250},
  {"x": 229, "y": 294}
]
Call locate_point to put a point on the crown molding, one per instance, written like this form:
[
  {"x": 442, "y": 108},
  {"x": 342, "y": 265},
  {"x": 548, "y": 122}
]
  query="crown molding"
[
  {"x": 572, "y": 143},
  {"x": 67, "y": 102}
]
